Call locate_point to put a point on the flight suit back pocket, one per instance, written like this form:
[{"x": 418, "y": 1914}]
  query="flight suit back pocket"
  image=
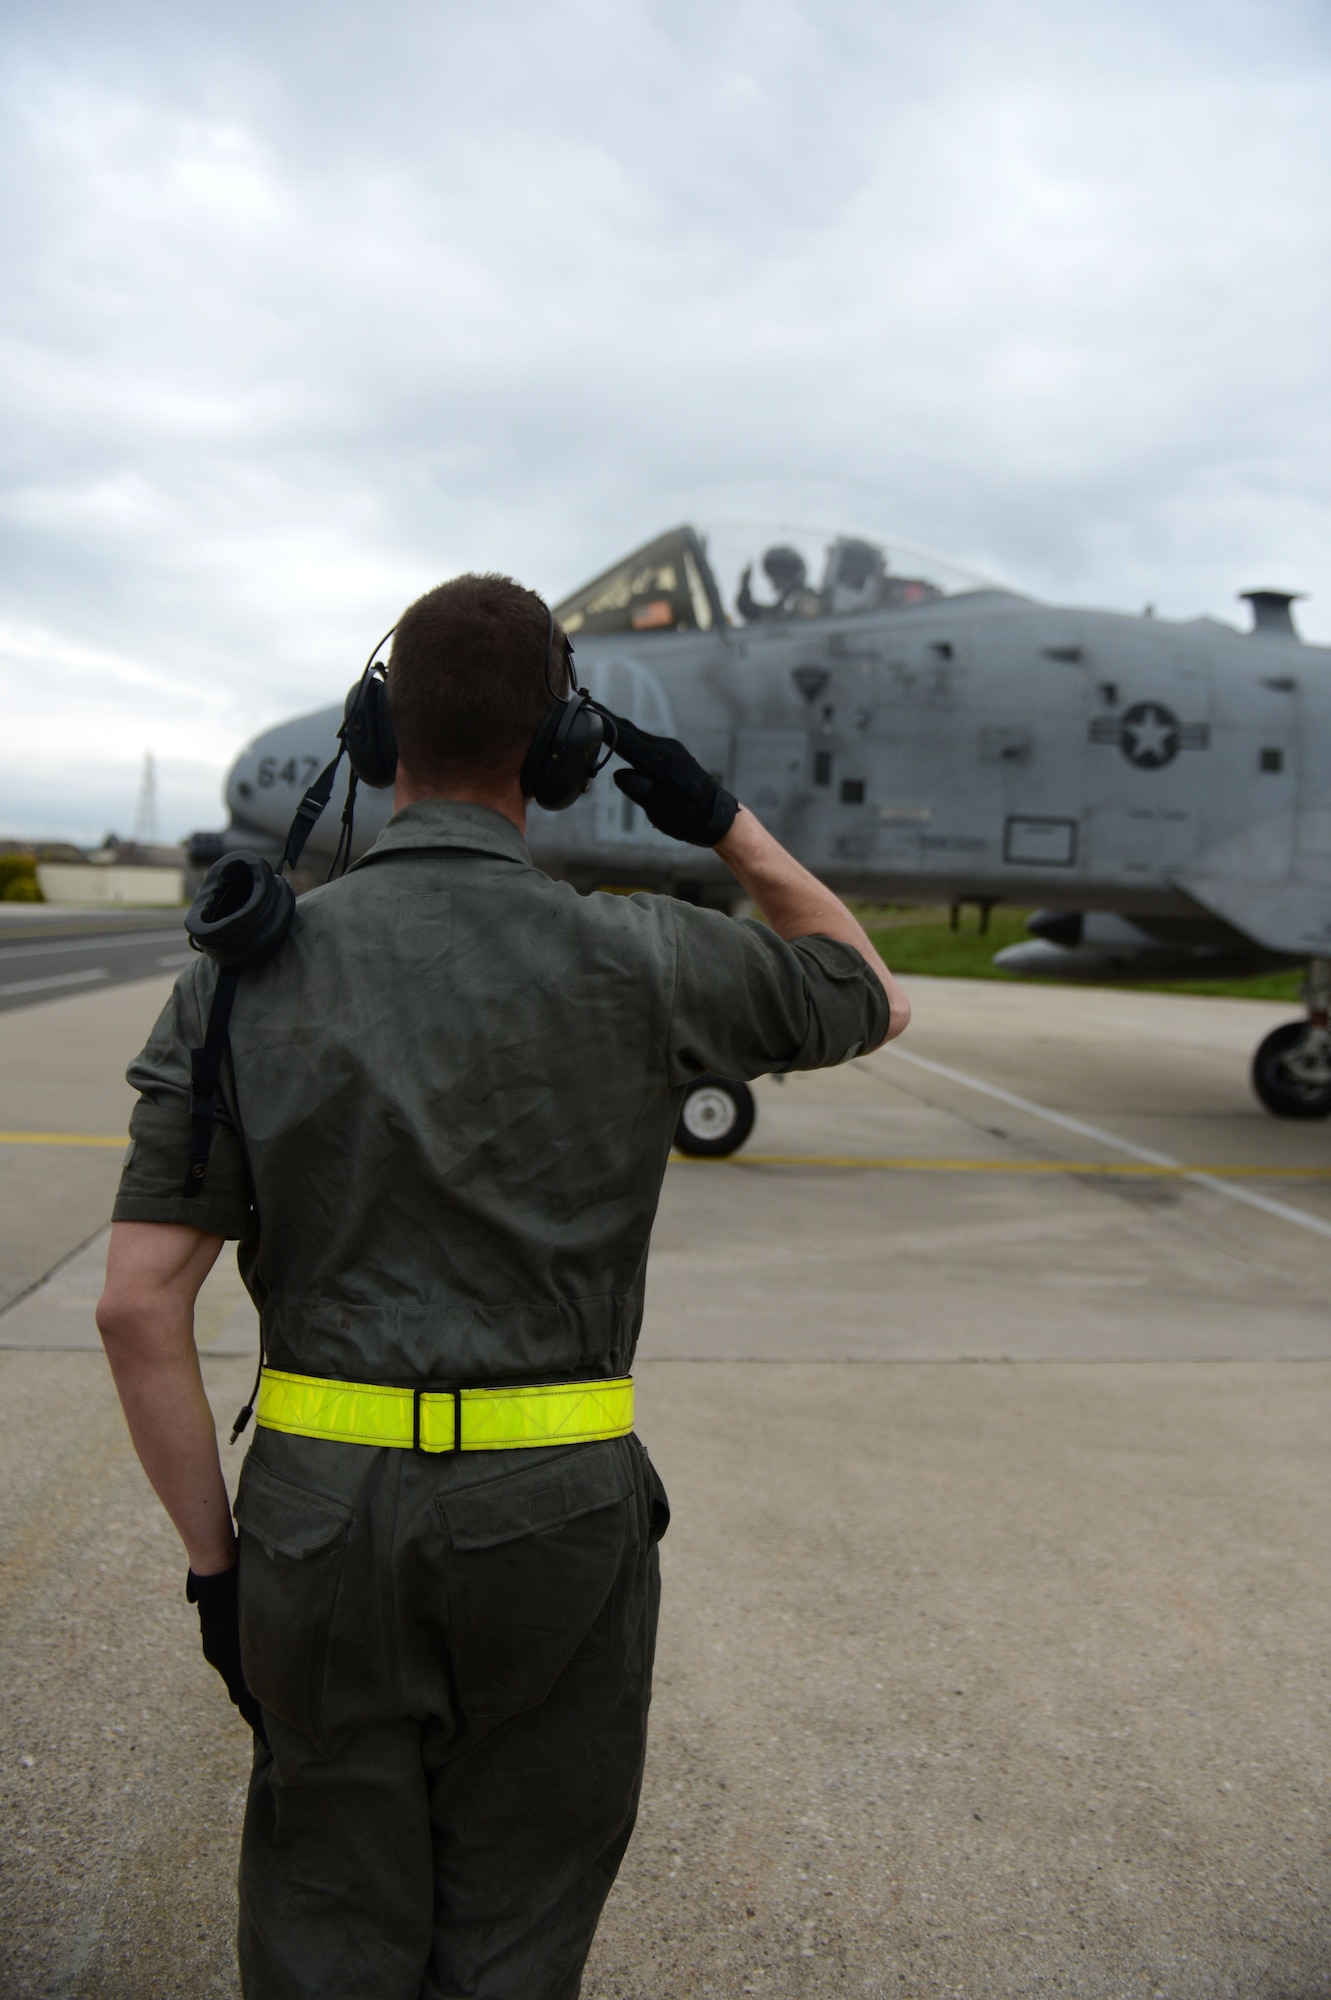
[
  {"x": 292, "y": 1545},
  {"x": 534, "y": 1557}
]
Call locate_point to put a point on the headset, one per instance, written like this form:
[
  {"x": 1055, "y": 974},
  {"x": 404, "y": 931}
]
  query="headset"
[
  {"x": 367, "y": 725},
  {"x": 244, "y": 909},
  {"x": 574, "y": 741},
  {"x": 572, "y": 744}
]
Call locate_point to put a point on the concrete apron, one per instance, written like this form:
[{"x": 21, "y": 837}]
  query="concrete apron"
[{"x": 994, "y": 1645}]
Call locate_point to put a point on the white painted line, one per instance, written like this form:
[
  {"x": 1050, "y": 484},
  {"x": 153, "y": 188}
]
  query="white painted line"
[
  {"x": 177, "y": 958},
  {"x": 43, "y": 985},
  {"x": 1280, "y": 1209},
  {"x": 90, "y": 943}
]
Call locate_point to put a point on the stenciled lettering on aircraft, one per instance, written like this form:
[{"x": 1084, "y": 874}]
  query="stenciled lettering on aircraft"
[{"x": 1149, "y": 734}]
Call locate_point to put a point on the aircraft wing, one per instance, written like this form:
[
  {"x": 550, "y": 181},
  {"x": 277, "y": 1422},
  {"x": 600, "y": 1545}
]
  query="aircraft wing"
[{"x": 1289, "y": 917}]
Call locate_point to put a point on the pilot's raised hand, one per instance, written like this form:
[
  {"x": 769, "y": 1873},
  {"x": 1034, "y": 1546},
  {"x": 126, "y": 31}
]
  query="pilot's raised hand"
[{"x": 671, "y": 786}]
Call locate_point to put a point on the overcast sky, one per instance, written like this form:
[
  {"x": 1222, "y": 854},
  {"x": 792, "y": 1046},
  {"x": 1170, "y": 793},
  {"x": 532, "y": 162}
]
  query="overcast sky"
[{"x": 306, "y": 307}]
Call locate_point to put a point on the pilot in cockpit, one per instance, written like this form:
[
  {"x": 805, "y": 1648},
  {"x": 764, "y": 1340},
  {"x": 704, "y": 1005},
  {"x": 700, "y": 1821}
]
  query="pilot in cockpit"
[
  {"x": 855, "y": 578},
  {"x": 785, "y": 570}
]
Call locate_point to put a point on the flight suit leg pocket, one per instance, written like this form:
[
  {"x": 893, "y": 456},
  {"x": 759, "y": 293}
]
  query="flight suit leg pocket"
[
  {"x": 658, "y": 1500},
  {"x": 533, "y": 1559},
  {"x": 292, "y": 1551}
]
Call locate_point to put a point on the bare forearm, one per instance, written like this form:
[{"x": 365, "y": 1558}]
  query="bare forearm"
[
  {"x": 146, "y": 1319},
  {"x": 174, "y": 1435},
  {"x": 796, "y": 904}
]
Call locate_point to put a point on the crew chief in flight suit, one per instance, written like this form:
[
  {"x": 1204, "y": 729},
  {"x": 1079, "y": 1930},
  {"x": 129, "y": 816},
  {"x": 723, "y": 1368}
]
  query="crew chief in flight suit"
[{"x": 440, "y": 1144}]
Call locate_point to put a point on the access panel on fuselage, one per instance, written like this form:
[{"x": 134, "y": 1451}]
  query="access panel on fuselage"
[{"x": 980, "y": 766}]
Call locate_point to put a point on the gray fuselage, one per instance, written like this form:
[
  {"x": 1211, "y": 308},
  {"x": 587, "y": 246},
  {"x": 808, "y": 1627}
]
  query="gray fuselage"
[{"x": 977, "y": 747}]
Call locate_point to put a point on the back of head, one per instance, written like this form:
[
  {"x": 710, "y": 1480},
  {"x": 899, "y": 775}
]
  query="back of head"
[{"x": 466, "y": 681}]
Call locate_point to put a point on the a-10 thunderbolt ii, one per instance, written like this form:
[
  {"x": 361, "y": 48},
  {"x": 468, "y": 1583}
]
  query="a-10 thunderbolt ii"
[{"x": 1161, "y": 790}]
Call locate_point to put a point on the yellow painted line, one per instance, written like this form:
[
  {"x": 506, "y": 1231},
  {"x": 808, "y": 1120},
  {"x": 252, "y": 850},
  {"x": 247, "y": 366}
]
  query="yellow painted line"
[
  {"x": 61, "y": 1139},
  {"x": 1118, "y": 1168}
]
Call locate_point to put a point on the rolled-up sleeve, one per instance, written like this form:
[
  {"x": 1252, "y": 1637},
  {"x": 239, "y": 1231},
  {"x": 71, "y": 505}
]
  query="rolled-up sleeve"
[
  {"x": 746, "y": 1002},
  {"x": 153, "y": 1178}
]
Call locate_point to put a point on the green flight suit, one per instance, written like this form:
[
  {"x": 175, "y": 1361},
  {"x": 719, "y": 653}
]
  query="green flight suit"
[{"x": 441, "y": 1141}]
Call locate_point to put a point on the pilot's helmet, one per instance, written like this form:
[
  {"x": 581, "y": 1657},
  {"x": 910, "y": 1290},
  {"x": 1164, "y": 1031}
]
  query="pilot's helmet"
[
  {"x": 785, "y": 568},
  {"x": 857, "y": 563}
]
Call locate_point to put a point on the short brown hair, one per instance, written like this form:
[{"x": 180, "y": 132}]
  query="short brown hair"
[{"x": 466, "y": 680}]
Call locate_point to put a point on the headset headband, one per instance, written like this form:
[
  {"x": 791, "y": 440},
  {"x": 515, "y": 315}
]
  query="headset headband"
[
  {"x": 551, "y": 689},
  {"x": 569, "y": 749}
]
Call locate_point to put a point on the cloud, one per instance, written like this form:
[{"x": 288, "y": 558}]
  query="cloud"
[{"x": 305, "y": 309}]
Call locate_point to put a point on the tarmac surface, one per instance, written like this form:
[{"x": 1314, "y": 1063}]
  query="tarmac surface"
[
  {"x": 46, "y": 949},
  {"x": 991, "y": 1386}
]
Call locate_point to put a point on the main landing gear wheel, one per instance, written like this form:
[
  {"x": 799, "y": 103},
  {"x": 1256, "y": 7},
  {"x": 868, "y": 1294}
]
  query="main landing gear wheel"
[
  {"x": 716, "y": 1118},
  {"x": 1291, "y": 1071}
]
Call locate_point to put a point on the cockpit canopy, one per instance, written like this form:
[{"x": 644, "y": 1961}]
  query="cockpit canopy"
[
  {"x": 737, "y": 574},
  {"x": 665, "y": 586}
]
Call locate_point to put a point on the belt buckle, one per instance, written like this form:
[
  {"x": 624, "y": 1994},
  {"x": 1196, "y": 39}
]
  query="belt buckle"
[{"x": 436, "y": 1389}]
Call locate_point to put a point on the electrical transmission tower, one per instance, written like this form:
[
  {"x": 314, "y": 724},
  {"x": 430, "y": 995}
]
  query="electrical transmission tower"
[{"x": 145, "y": 814}]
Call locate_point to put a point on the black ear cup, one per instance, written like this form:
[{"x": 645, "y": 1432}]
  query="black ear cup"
[
  {"x": 368, "y": 729},
  {"x": 534, "y": 761},
  {"x": 243, "y": 911},
  {"x": 564, "y": 754}
]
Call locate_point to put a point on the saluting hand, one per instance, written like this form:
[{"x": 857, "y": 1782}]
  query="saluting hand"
[{"x": 671, "y": 786}]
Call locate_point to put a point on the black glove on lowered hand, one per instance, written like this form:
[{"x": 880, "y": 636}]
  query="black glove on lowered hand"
[
  {"x": 218, "y": 1599},
  {"x": 677, "y": 795}
]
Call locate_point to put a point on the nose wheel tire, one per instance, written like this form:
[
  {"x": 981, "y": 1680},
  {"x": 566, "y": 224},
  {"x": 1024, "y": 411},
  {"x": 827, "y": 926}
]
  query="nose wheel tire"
[
  {"x": 716, "y": 1117},
  {"x": 1291, "y": 1071}
]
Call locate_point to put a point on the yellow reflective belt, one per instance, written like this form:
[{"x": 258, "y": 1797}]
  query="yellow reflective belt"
[{"x": 492, "y": 1419}]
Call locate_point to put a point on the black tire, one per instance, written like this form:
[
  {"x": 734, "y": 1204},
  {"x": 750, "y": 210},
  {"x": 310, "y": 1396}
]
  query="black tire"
[
  {"x": 1280, "y": 1088},
  {"x": 716, "y": 1117}
]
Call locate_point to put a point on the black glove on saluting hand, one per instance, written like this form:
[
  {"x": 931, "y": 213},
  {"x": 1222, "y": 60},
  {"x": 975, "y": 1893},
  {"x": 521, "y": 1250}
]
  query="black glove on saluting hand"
[
  {"x": 218, "y": 1599},
  {"x": 677, "y": 795}
]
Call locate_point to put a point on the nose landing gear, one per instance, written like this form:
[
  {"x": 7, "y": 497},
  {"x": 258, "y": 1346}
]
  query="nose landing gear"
[{"x": 1291, "y": 1071}]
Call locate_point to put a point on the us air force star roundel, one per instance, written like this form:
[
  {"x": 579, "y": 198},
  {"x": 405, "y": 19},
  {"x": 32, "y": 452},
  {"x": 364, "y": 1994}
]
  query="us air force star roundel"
[{"x": 1149, "y": 735}]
